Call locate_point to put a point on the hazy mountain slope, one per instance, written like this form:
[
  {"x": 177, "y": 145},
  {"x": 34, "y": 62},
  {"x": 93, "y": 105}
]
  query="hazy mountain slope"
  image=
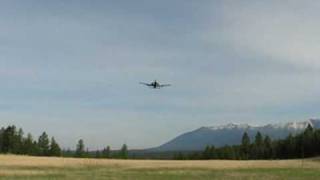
[{"x": 231, "y": 134}]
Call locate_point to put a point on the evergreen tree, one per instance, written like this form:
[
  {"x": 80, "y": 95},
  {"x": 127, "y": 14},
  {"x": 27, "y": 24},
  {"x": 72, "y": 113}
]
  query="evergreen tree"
[
  {"x": 317, "y": 141},
  {"x": 206, "y": 153},
  {"x": 55, "y": 149},
  {"x": 80, "y": 152},
  {"x": 267, "y": 148},
  {"x": 227, "y": 152},
  {"x": 10, "y": 140},
  {"x": 106, "y": 152},
  {"x": 36, "y": 149},
  {"x": 27, "y": 145},
  {"x": 1, "y": 139},
  {"x": 258, "y": 148},
  {"x": 13, "y": 141},
  {"x": 258, "y": 139},
  {"x": 308, "y": 142},
  {"x": 245, "y": 146},
  {"x": 19, "y": 139},
  {"x": 43, "y": 144},
  {"x": 290, "y": 146},
  {"x": 213, "y": 153},
  {"x": 124, "y": 152}
]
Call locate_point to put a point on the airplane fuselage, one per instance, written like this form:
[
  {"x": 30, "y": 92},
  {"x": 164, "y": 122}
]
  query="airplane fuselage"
[{"x": 155, "y": 85}]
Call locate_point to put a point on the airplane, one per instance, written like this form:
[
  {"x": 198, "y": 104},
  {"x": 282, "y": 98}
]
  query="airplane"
[{"x": 155, "y": 85}]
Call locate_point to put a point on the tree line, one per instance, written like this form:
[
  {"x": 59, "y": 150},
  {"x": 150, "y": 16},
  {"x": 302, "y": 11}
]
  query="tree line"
[
  {"x": 106, "y": 152},
  {"x": 13, "y": 141},
  {"x": 301, "y": 145}
]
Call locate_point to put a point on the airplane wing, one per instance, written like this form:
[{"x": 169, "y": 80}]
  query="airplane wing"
[
  {"x": 147, "y": 84},
  {"x": 165, "y": 85}
]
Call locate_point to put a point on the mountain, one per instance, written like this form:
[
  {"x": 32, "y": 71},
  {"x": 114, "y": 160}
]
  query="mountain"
[{"x": 231, "y": 134}]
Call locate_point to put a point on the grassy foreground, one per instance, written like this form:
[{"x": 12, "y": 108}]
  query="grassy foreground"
[{"x": 24, "y": 167}]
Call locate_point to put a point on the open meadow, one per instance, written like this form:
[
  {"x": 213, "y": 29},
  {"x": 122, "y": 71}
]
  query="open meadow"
[{"x": 25, "y": 167}]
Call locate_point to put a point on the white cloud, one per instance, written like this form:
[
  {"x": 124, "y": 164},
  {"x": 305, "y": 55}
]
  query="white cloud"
[{"x": 277, "y": 30}]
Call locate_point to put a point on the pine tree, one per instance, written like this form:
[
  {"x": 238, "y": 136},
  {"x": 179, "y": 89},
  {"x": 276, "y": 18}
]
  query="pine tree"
[
  {"x": 308, "y": 141},
  {"x": 27, "y": 145},
  {"x": 124, "y": 152},
  {"x": 10, "y": 140},
  {"x": 290, "y": 145},
  {"x": 80, "y": 152},
  {"x": 1, "y": 139},
  {"x": 106, "y": 152},
  {"x": 36, "y": 149},
  {"x": 245, "y": 146},
  {"x": 19, "y": 140},
  {"x": 267, "y": 148},
  {"x": 317, "y": 141},
  {"x": 55, "y": 149},
  {"x": 213, "y": 153},
  {"x": 206, "y": 153},
  {"x": 257, "y": 149},
  {"x": 43, "y": 144}
]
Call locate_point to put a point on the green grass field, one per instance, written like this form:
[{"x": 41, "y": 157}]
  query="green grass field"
[{"x": 23, "y": 167}]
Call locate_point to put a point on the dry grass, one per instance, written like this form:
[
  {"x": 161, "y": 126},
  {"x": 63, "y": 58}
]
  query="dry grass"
[
  {"x": 20, "y": 167},
  {"x": 25, "y": 161}
]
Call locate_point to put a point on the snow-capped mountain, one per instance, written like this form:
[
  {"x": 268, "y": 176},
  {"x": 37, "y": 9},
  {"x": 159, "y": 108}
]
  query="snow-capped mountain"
[
  {"x": 231, "y": 134},
  {"x": 230, "y": 126}
]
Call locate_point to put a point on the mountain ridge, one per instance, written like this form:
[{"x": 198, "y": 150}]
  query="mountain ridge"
[{"x": 231, "y": 134}]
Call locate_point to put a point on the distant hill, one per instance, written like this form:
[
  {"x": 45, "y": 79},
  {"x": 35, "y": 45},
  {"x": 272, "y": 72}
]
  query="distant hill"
[{"x": 231, "y": 134}]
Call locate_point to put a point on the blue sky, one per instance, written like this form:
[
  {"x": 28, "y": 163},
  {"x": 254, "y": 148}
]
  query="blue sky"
[{"x": 72, "y": 68}]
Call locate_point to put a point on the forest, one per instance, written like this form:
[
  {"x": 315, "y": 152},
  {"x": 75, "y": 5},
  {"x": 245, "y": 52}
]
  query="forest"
[
  {"x": 301, "y": 145},
  {"x": 13, "y": 141}
]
